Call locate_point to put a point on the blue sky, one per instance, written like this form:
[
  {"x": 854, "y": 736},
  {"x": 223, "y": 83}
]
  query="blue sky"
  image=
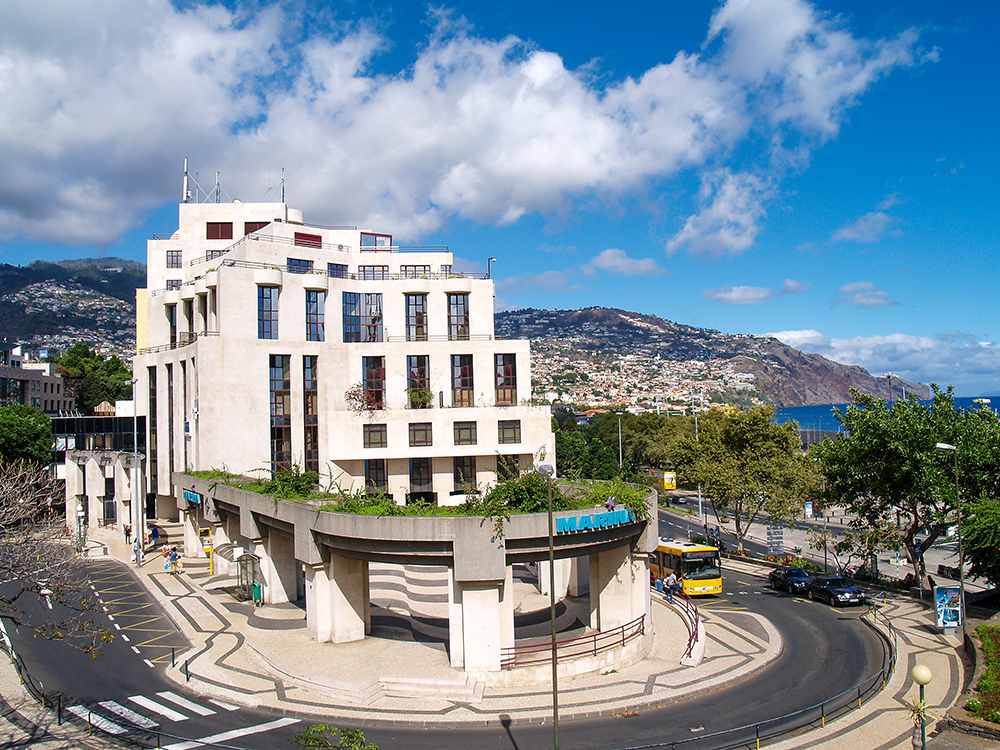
[{"x": 824, "y": 172}]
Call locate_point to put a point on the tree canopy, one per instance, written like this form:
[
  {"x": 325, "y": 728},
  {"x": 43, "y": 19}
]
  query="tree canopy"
[
  {"x": 885, "y": 466},
  {"x": 25, "y": 434},
  {"x": 96, "y": 379},
  {"x": 748, "y": 464}
]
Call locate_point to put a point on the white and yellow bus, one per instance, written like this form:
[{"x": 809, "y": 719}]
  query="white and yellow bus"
[{"x": 698, "y": 567}]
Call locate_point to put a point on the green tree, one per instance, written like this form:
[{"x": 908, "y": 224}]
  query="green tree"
[
  {"x": 25, "y": 434},
  {"x": 95, "y": 379},
  {"x": 748, "y": 465},
  {"x": 981, "y": 538},
  {"x": 326, "y": 737},
  {"x": 886, "y": 469}
]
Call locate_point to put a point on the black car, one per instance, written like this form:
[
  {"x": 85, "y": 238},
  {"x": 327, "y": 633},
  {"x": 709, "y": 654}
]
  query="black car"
[
  {"x": 835, "y": 590},
  {"x": 791, "y": 580}
]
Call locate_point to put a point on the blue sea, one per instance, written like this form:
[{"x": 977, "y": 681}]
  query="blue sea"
[{"x": 821, "y": 417}]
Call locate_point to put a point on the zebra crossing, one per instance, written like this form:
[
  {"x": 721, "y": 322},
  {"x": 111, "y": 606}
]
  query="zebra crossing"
[{"x": 145, "y": 712}]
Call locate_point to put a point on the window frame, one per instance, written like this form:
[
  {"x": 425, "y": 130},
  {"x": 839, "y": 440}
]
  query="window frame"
[
  {"x": 465, "y": 433},
  {"x": 420, "y": 434},
  {"x": 458, "y": 316},
  {"x": 375, "y": 435},
  {"x": 267, "y": 312}
]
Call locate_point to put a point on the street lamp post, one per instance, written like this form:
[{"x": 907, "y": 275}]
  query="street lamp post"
[
  {"x": 890, "y": 376},
  {"x": 547, "y": 470},
  {"x": 137, "y": 525},
  {"x": 922, "y": 675},
  {"x": 489, "y": 267},
  {"x": 961, "y": 547}
]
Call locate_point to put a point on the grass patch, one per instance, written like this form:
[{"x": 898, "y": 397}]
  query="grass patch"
[{"x": 987, "y": 706}]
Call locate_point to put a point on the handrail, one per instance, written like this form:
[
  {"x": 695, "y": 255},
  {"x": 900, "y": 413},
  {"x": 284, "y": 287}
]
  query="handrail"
[
  {"x": 586, "y": 645},
  {"x": 184, "y": 338}
]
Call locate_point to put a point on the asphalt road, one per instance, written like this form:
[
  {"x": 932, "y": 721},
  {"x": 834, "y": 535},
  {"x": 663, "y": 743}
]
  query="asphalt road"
[{"x": 825, "y": 651}]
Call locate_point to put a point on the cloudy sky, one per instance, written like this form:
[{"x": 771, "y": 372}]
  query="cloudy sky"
[{"x": 826, "y": 173}]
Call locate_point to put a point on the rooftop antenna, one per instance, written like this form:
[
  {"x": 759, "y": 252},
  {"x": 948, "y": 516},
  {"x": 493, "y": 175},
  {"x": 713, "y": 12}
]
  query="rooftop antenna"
[
  {"x": 282, "y": 184},
  {"x": 186, "y": 198},
  {"x": 218, "y": 187}
]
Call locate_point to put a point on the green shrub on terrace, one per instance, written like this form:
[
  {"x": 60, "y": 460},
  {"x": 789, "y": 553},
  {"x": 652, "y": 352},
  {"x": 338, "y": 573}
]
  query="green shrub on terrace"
[{"x": 988, "y": 687}]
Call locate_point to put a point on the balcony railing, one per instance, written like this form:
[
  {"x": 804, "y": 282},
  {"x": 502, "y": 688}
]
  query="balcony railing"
[
  {"x": 184, "y": 338},
  {"x": 588, "y": 645}
]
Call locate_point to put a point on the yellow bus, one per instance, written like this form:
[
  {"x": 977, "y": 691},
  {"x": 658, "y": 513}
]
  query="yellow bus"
[{"x": 698, "y": 567}]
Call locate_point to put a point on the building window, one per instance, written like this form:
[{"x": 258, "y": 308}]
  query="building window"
[
  {"x": 173, "y": 284},
  {"x": 420, "y": 434},
  {"x": 414, "y": 272},
  {"x": 461, "y": 380},
  {"x": 374, "y": 381},
  {"x": 175, "y": 258},
  {"x": 153, "y": 454},
  {"x": 337, "y": 270},
  {"x": 171, "y": 311},
  {"x": 362, "y": 317},
  {"x": 219, "y": 230},
  {"x": 298, "y": 265},
  {"x": 508, "y": 467},
  {"x": 308, "y": 240},
  {"x": 465, "y": 473},
  {"x": 249, "y": 227},
  {"x": 372, "y": 241},
  {"x": 446, "y": 269},
  {"x": 418, "y": 387},
  {"x": 376, "y": 476},
  {"x": 458, "y": 317},
  {"x": 421, "y": 480},
  {"x": 315, "y": 314},
  {"x": 376, "y": 436},
  {"x": 373, "y": 273},
  {"x": 506, "y": 375},
  {"x": 281, "y": 410},
  {"x": 416, "y": 317},
  {"x": 267, "y": 312},
  {"x": 509, "y": 431},
  {"x": 310, "y": 391},
  {"x": 465, "y": 433}
]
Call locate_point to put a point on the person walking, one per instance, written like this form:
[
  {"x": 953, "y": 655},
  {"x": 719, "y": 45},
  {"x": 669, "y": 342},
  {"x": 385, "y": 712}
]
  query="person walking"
[
  {"x": 128, "y": 534},
  {"x": 670, "y": 585},
  {"x": 174, "y": 559},
  {"x": 154, "y": 534}
]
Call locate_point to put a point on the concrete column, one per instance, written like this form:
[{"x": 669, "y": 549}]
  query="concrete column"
[
  {"x": 220, "y": 536},
  {"x": 189, "y": 524},
  {"x": 277, "y": 567},
  {"x": 319, "y": 602},
  {"x": 350, "y": 603},
  {"x": 481, "y": 626},
  {"x": 507, "y": 610},
  {"x": 579, "y": 576},
  {"x": 564, "y": 570},
  {"x": 456, "y": 625},
  {"x": 611, "y": 588}
]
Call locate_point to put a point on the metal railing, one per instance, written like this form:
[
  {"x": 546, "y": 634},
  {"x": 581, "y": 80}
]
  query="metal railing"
[
  {"x": 184, "y": 338},
  {"x": 588, "y": 645}
]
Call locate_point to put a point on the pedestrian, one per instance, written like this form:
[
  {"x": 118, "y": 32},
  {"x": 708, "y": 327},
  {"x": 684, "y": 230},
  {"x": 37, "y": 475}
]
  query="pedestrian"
[
  {"x": 174, "y": 559},
  {"x": 128, "y": 534},
  {"x": 166, "y": 557},
  {"x": 155, "y": 535},
  {"x": 670, "y": 585}
]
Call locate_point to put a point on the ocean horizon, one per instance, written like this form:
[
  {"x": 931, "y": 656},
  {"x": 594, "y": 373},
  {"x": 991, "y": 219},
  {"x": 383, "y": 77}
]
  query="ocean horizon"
[{"x": 821, "y": 417}]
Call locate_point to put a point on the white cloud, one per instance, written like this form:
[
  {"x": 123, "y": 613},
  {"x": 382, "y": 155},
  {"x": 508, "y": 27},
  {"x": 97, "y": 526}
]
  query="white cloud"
[
  {"x": 617, "y": 263},
  {"x": 753, "y": 295},
  {"x": 112, "y": 94},
  {"x": 553, "y": 282},
  {"x": 869, "y": 228},
  {"x": 862, "y": 294},
  {"x": 949, "y": 358}
]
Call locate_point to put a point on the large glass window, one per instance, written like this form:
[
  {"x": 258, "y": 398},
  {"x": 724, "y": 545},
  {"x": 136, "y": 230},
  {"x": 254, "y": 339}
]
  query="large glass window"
[
  {"x": 414, "y": 272},
  {"x": 465, "y": 473},
  {"x": 506, "y": 376},
  {"x": 458, "y": 317},
  {"x": 337, "y": 270},
  {"x": 465, "y": 433},
  {"x": 362, "y": 317},
  {"x": 461, "y": 380},
  {"x": 418, "y": 387},
  {"x": 373, "y": 273},
  {"x": 315, "y": 313},
  {"x": 310, "y": 410},
  {"x": 298, "y": 265},
  {"x": 172, "y": 323},
  {"x": 281, "y": 411},
  {"x": 372, "y": 241},
  {"x": 376, "y": 436},
  {"x": 153, "y": 453},
  {"x": 509, "y": 431},
  {"x": 416, "y": 317},
  {"x": 175, "y": 258},
  {"x": 267, "y": 312},
  {"x": 374, "y": 381},
  {"x": 421, "y": 479},
  {"x": 376, "y": 476},
  {"x": 420, "y": 434}
]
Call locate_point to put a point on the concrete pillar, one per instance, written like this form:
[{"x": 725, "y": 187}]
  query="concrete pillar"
[
  {"x": 189, "y": 525},
  {"x": 277, "y": 568},
  {"x": 507, "y": 610},
  {"x": 220, "y": 536},
  {"x": 481, "y": 626},
  {"x": 456, "y": 625},
  {"x": 350, "y": 603},
  {"x": 579, "y": 576},
  {"x": 319, "y": 602},
  {"x": 611, "y": 588},
  {"x": 563, "y": 571}
]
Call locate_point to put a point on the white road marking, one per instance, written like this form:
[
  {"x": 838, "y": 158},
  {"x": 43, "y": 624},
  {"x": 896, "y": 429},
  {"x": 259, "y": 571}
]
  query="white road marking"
[
  {"x": 231, "y": 735},
  {"x": 223, "y": 704},
  {"x": 129, "y": 715},
  {"x": 185, "y": 703},
  {"x": 96, "y": 720},
  {"x": 158, "y": 708},
  {"x": 125, "y": 638},
  {"x": 149, "y": 663},
  {"x": 135, "y": 649}
]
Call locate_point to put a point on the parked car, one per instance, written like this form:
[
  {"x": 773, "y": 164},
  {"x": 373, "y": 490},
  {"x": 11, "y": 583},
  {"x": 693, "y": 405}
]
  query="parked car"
[
  {"x": 834, "y": 590},
  {"x": 681, "y": 500},
  {"x": 791, "y": 580}
]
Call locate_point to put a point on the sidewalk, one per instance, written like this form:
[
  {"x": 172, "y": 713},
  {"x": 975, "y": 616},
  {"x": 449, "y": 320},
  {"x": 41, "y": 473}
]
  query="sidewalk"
[{"x": 264, "y": 658}]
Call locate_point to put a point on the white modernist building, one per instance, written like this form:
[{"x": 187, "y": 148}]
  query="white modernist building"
[{"x": 265, "y": 342}]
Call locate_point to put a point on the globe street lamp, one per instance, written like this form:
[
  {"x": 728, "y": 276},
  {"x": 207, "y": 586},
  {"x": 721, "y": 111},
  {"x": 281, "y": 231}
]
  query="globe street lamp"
[
  {"x": 921, "y": 675},
  {"x": 961, "y": 547},
  {"x": 547, "y": 470}
]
